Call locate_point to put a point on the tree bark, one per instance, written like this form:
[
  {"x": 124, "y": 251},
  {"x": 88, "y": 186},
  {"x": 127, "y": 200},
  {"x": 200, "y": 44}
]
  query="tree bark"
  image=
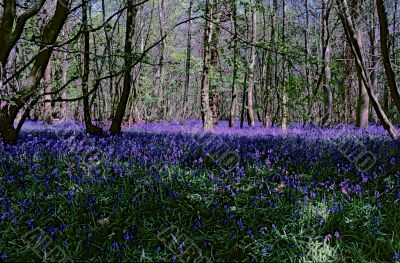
[
  {"x": 188, "y": 63},
  {"x": 250, "y": 88},
  {"x": 90, "y": 128},
  {"x": 50, "y": 32},
  {"x": 355, "y": 44},
  {"x": 215, "y": 93},
  {"x": 307, "y": 48},
  {"x": 47, "y": 89},
  {"x": 234, "y": 95},
  {"x": 362, "y": 109},
  {"x": 373, "y": 33},
  {"x": 116, "y": 124},
  {"x": 326, "y": 55},
  {"x": 205, "y": 79},
  {"x": 389, "y": 72},
  {"x": 267, "y": 122},
  {"x": 162, "y": 101},
  {"x": 285, "y": 114}
]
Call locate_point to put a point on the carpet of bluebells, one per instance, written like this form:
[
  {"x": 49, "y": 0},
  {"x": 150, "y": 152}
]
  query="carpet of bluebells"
[{"x": 166, "y": 192}]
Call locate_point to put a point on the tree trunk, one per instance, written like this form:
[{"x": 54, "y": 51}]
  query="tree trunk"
[
  {"x": 362, "y": 110},
  {"x": 355, "y": 44},
  {"x": 307, "y": 48},
  {"x": 384, "y": 34},
  {"x": 267, "y": 122},
  {"x": 48, "y": 37},
  {"x": 348, "y": 81},
  {"x": 250, "y": 88},
  {"x": 162, "y": 101},
  {"x": 326, "y": 55},
  {"x": 205, "y": 79},
  {"x": 215, "y": 93},
  {"x": 284, "y": 117},
  {"x": 64, "y": 75},
  {"x": 234, "y": 96},
  {"x": 116, "y": 124},
  {"x": 373, "y": 33},
  {"x": 47, "y": 97},
  {"x": 188, "y": 63},
  {"x": 90, "y": 128}
]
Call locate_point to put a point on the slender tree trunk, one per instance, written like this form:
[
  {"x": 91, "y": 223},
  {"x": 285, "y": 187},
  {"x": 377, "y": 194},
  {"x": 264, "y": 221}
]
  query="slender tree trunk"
[
  {"x": 90, "y": 128},
  {"x": 267, "y": 122},
  {"x": 356, "y": 47},
  {"x": 284, "y": 117},
  {"x": 47, "y": 89},
  {"x": 384, "y": 34},
  {"x": 215, "y": 93},
  {"x": 64, "y": 79},
  {"x": 326, "y": 55},
  {"x": 362, "y": 110},
  {"x": 246, "y": 76},
  {"x": 110, "y": 99},
  {"x": 234, "y": 96},
  {"x": 250, "y": 88},
  {"x": 205, "y": 79},
  {"x": 115, "y": 127},
  {"x": 307, "y": 48},
  {"x": 348, "y": 80},
  {"x": 162, "y": 101},
  {"x": 188, "y": 63},
  {"x": 374, "y": 56}
]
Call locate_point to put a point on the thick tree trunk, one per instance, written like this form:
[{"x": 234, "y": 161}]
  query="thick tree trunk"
[
  {"x": 355, "y": 44},
  {"x": 48, "y": 37},
  {"x": 8, "y": 133},
  {"x": 115, "y": 127}
]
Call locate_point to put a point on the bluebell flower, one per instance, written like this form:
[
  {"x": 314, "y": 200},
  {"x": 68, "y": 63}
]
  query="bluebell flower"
[
  {"x": 266, "y": 250},
  {"x": 233, "y": 234},
  {"x": 263, "y": 230},
  {"x": 240, "y": 223},
  {"x": 327, "y": 237},
  {"x": 29, "y": 222},
  {"x": 115, "y": 245},
  {"x": 197, "y": 223},
  {"x": 182, "y": 247},
  {"x": 396, "y": 256},
  {"x": 128, "y": 237},
  {"x": 158, "y": 248},
  {"x": 336, "y": 234}
]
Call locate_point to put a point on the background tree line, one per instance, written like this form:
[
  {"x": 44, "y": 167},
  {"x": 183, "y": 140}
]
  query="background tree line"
[{"x": 109, "y": 62}]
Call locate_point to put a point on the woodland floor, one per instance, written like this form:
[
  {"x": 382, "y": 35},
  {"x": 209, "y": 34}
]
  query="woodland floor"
[{"x": 164, "y": 192}]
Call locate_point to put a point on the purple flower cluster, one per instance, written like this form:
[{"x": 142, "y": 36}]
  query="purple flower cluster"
[{"x": 109, "y": 189}]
